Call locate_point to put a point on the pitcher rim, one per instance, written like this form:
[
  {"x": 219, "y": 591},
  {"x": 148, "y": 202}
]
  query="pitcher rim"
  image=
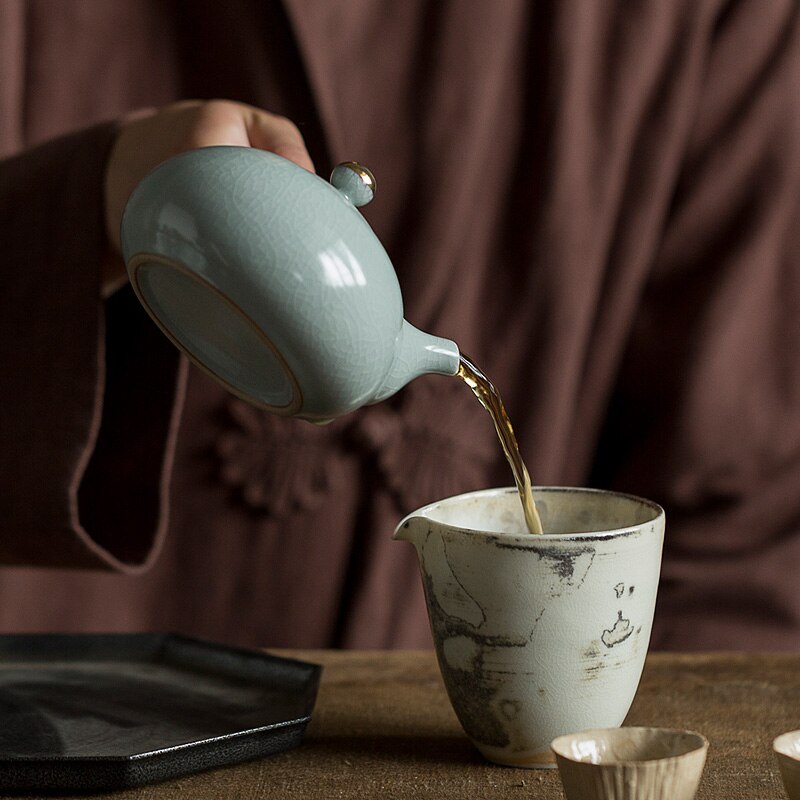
[{"x": 531, "y": 539}]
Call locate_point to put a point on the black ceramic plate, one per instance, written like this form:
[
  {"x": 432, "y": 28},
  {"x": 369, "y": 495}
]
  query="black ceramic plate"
[{"x": 97, "y": 712}]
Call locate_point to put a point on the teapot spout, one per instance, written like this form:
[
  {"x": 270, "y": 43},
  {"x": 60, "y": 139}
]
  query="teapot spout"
[{"x": 417, "y": 353}]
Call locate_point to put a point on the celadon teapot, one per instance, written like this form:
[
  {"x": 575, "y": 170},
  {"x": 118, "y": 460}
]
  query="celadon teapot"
[{"x": 271, "y": 281}]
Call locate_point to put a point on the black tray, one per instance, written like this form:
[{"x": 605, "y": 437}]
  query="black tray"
[{"x": 98, "y": 712}]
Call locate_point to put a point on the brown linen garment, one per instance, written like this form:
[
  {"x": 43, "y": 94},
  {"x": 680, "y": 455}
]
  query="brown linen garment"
[{"x": 598, "y": 201}]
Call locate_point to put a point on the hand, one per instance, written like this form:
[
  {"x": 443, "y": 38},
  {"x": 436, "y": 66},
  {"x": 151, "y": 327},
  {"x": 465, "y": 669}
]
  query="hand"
[{"x": 149, "y": 137}]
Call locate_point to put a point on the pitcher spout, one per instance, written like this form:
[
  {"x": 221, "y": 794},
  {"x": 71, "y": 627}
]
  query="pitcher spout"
[
  {"x": 413, "y": 528},
  {"x": 417, "y": 353}
]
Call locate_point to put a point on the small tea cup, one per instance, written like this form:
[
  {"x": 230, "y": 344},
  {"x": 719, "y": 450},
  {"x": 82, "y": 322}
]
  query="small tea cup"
[
  {"x": 631, "y": 764},
  {"x": 787, "y": 751}
]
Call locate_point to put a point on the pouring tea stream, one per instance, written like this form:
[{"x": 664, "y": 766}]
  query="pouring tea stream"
[{"x": 272, "y": 282}]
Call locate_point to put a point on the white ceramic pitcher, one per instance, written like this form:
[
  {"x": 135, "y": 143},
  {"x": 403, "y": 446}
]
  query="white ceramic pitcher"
[{"x": 538, "y": 635}]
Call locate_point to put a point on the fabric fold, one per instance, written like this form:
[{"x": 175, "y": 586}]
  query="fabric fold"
[{"x": 57, "y": 351}]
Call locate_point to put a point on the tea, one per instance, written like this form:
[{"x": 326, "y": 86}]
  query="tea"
[{"x": 490, "y": 399}]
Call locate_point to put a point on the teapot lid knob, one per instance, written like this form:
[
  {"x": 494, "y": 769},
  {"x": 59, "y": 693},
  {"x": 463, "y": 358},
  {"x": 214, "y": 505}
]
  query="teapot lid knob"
[{"x": 354, "y": 181}]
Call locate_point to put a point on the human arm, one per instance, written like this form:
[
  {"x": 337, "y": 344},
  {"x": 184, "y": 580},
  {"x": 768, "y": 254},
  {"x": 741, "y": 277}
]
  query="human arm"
[{"x": 92, "y": 390}]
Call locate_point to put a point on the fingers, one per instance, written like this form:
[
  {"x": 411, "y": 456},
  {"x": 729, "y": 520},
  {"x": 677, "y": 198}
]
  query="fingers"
[
  {"x": 151, "y": 136},
  {"x": 225, "y": 122},
  {"x": 278, "y": 135}
]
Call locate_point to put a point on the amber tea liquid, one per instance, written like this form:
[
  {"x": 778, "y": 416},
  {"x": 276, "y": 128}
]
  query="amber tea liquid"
[{"x": 489, "y": 398}]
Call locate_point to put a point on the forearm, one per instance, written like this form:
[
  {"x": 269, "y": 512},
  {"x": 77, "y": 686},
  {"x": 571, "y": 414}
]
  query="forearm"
[{"x": 55, "y": 381}]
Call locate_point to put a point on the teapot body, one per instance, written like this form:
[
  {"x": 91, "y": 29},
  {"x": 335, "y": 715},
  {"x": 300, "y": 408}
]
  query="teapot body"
[{"x": 271, "y": 281}]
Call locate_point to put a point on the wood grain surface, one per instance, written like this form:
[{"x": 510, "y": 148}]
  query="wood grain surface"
[{"x": 383, "y": 728}]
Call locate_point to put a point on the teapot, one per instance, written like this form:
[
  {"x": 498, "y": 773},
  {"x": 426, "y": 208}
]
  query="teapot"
[{"x": 272, "y": 282}]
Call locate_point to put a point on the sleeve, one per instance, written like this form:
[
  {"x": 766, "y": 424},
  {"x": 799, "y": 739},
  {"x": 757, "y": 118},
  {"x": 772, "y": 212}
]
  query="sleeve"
[
  {"x": 706, "y": 414},
  {"x": 91, "y": 391}
]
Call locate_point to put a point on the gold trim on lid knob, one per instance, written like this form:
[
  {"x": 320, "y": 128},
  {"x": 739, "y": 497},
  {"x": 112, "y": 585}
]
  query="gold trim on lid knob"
[{"x": 355, "y": 182}]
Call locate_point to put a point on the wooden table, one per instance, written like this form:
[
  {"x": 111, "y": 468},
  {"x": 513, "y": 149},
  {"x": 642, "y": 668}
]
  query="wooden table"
[{"x": 383, "y": 728}]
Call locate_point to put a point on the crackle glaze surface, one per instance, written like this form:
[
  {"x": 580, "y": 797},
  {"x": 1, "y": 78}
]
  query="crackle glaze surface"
[
  {"x": 538, "y": 636},
  {"x": 288, "y": 255}
]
